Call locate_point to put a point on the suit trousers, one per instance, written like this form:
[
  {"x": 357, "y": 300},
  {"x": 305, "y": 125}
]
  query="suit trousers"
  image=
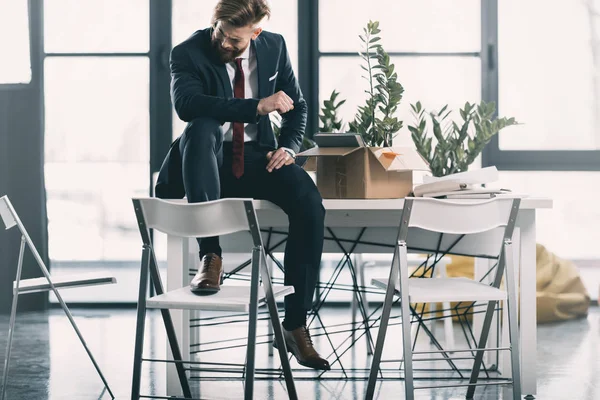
[{"x": 207, "y": 175}]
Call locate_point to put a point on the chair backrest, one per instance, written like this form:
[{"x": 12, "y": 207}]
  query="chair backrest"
[
  {"x": 212, "y": 218},
  {"x": 461, "y": 216},
  {"x": 7, "y": 213}
]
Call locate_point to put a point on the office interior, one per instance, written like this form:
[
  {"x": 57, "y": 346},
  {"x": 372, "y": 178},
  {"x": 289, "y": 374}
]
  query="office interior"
[{"x": 86, "y": 120}]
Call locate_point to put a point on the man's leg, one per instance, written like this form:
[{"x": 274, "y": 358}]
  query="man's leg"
[
  {"x": 201, "y": 148},
  {"x": 292, "y": 189}
]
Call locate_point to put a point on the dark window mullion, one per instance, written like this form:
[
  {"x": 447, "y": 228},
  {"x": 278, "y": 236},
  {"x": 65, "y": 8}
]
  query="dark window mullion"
[
  {"x": 489, "y": 70},
  {"x": 161, "y": 117},
  {"x": 308, "y": 60}
]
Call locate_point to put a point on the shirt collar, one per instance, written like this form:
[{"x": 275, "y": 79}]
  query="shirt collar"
[{"x": 247, "y": 53}]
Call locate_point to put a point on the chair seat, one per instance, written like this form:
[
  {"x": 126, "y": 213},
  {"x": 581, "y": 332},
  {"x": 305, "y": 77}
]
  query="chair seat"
[
  {"x": 229, "y": 298},
  {"x": 428, "y": 290},
  {"x": 65, "y": 281}
]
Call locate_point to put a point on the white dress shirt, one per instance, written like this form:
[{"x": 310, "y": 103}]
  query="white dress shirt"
[{"x": 250, "y": 92}]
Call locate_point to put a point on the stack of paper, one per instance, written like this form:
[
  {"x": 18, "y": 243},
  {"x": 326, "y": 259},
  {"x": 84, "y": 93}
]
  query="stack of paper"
[
  {"x": 477, "y": 176},
  {"x": 464, "y": 185}
]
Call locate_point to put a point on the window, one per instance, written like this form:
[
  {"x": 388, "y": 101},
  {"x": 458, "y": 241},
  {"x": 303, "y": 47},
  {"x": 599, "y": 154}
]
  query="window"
[
  {"x": 422, "y": 77},
  {"x": 549, "y": 77},
  {"x": 433, "y": 44},
  {"x": 108, "y": 26},
  {"x": 15, "y": 67},
  {"x": 548, "y": 80},
  {"x": 407, "y": 26},
  {"x": 97, "y": 138}
]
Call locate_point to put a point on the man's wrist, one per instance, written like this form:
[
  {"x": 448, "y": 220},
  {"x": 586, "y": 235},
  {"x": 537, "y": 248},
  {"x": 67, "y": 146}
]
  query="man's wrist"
[{"x": 291, "y": 152}]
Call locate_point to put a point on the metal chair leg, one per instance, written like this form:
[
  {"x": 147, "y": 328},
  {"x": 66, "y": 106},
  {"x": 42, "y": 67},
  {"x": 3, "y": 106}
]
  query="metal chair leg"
[
  {"x": 487, "y": 322},
  {"x": 13, "y": 314},
  {"x": 274, "y": 318},
  {"x": 385, "y": 317},
  {"x": 513, "y": 321},
  {"x": 252, "y": 321},
  {"x": 140, "y": 325},
  {"x": 170, "y": 328},
  {"x": 269, "y": 323},
  {"x": 409, "y": 388},
  {"x": 485, "y": 330}
]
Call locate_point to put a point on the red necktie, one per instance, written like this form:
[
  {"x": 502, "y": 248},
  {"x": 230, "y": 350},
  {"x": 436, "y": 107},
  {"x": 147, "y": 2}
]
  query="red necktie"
[{"x": 238, "y": 127}]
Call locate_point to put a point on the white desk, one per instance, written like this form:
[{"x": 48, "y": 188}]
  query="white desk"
[{"x": 371, "y": 226}]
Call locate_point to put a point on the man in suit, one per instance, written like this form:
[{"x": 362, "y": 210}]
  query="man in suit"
[{"x": 226, "y": 80}]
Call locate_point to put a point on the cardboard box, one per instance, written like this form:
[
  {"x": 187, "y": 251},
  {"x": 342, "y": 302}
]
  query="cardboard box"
[{"x": 366, "y": 172}]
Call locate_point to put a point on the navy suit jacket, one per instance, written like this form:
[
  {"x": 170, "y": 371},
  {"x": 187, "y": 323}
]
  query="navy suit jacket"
[{"x": 200, "y": 87}]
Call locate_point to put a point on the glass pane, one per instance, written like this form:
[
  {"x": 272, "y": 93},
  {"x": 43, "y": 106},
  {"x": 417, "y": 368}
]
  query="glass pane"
[
  {"x": 14, "y": 40},
  {"x": 96, "y": 26},
  {"x": 406, "y": 25},
  {"x": 97, "y": 158},
  {"x": 571, "y": 227},
  {"x": 435, "y": 81},
  {"x": 192, "y": 15},
  {"x": 549, "y": 76}
]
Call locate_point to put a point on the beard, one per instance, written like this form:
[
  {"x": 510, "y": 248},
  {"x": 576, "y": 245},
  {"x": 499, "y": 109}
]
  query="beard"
[{"x": 225, "y": 55}]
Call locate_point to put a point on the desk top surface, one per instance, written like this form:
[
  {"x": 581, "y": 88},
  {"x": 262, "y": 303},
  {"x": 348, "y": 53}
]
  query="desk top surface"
[{"x": 395, "y": 204}]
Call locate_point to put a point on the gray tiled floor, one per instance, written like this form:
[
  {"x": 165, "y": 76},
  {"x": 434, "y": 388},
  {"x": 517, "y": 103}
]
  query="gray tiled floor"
[{"x": 49, "y": 363}]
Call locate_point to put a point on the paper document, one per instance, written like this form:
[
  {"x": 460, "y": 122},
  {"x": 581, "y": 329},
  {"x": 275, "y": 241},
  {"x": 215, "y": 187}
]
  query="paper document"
[{"x": 475, "y": 177}]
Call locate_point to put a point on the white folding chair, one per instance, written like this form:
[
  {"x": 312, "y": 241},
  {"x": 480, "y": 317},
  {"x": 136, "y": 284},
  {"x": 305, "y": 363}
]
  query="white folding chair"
[
  {"x": 417, "y": 260},
  {"x": 24, "y": 286},
  {"x": 461, "y": 218},
  {"x": 198, "y": 220}
]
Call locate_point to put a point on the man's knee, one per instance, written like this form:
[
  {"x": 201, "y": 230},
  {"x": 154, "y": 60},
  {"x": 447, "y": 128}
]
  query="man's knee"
[
  {"x": 311, "y": 206},
  {"x": 203, "y": 132}
]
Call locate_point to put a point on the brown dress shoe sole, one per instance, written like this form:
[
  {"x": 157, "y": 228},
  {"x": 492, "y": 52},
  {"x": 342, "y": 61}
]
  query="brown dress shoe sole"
[
  {"x": 206, "y": 290},
  {"x": 289, "y": 350},
  {"x": 198, "y": 290}
]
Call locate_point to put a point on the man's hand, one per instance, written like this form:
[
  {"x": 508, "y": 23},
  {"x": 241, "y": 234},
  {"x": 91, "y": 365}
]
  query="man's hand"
[
  {"x": 279, "y": 102},
  {"x": 278, "y": 159}
]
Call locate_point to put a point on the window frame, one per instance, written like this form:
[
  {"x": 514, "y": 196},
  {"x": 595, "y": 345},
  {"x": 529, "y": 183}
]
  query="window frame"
[
  {"x": 520, "y": 160},
  {"x": 308, "y": 35}
]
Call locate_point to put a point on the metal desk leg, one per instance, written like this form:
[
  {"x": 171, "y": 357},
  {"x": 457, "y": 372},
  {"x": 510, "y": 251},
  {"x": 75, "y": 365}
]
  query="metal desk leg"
[
  {"x": 177, "y": 274},
  {"x": 361, "y": 281},
  {"x": 527, "y": 301},
  {"x": 448, "y": 325}
]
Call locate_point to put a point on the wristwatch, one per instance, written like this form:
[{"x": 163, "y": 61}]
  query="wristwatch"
[{"x": 290, "y": 152}]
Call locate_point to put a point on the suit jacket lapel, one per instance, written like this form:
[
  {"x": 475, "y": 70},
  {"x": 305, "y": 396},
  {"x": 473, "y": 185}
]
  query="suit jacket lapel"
[
  {"x": 220, "y": 68},
  {"x": 262, "y": 63},
  {"x": 222, "y": 71}
]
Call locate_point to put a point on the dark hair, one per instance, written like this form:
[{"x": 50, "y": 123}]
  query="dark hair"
[{"x": 240, "y": 13}]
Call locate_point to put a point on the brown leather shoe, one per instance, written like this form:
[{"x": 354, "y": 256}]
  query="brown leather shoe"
[
  {"x": 299, "y": 343},
  {"x": 209, "y": 276}
]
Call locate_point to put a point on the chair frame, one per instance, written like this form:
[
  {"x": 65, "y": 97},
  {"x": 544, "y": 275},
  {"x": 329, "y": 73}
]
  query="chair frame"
[
  {"x": 259, "y": 273},
  {"x": 11, "y": 219},
  {"x": 399, "y": 272}
]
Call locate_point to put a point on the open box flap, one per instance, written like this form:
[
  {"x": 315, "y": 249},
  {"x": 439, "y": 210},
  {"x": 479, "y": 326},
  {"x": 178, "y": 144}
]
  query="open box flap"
[
  {"x": 328, "y": 151},
  {"x": 399, "y": 159}
]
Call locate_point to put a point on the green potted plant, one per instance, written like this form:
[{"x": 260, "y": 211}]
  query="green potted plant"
[
  {"x": 375, "y": 121},
  {"x": 328, "y": 118},
  {"x": 448, "y": 147},
  {"x": 457, "y": 145}
]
